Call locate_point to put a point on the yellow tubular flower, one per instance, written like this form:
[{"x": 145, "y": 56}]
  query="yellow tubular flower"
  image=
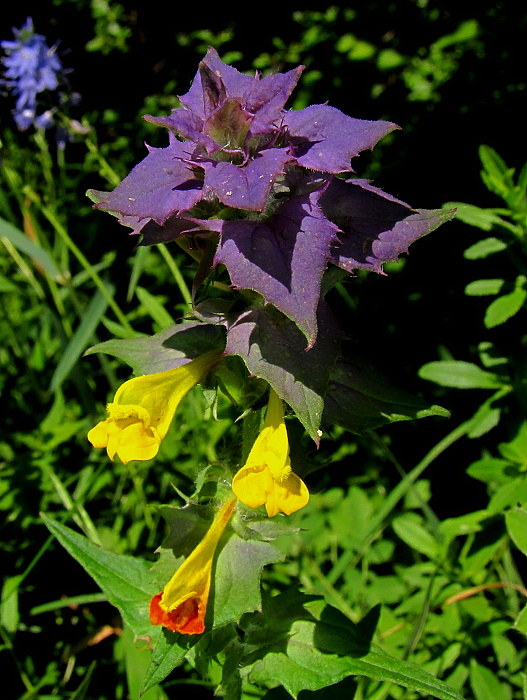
[
  {"x": 267, "y": 477},
  {"x": 143, "y": 408},
  {"x": 182, "y": 605}
]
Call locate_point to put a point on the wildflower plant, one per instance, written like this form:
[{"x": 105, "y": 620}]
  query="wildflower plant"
[
  {"x": 34, "y": 75},
  {"x": 267, "y": 205}
]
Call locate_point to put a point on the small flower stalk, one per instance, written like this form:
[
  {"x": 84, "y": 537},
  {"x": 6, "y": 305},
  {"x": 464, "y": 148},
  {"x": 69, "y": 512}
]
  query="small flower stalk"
[
  {"x": 182, "y": 604},
  {"x": 143, "y": 409},
  {"x": 267, "y": 478}
]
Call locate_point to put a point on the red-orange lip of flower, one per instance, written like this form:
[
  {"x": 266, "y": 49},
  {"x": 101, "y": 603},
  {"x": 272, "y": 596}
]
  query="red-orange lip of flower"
[{"x": 187, "y": 618}]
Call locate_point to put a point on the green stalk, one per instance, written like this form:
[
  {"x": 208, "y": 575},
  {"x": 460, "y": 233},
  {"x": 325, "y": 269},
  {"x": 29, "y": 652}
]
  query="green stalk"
[
  {"x": 176, "y": 273},
  {"x": 59, "y": 228}
]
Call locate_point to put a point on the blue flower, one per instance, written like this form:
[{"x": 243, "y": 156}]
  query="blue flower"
[{"x": 31, "y": 67}]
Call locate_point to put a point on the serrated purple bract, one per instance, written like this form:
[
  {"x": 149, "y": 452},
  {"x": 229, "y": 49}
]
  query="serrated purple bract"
[
  {"x": 282, "y": 258},
  {"x": 325, "y": 139},
  {"x": 246, "y": 187},
  {"x": 161, "y": 184},
  {"x": 375, "y": 226}
]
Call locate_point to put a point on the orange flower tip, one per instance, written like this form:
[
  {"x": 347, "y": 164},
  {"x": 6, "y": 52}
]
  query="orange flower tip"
[{"x": 187, "y": 618}]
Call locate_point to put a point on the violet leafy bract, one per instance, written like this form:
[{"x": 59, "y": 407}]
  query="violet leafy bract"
[
  {"x": 275, "y": 350},
  {"x": 282, "y": 258}
]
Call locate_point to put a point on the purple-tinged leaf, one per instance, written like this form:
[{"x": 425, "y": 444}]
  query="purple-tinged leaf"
[
  {"x": 268, "y": 94},
  {"x": 283, "y": 258},
  {"x": 187, "y": 125},
  {"x": 274, "y": 349},
  {"x": 217, "y": 84},
  {"x": 212, "y": 75},
  {"x": 326, "y": 139},
  {"x": 248, "y": 186},
  {"x": 171, "y": 347},
  {"x": 375, "y": 226},
  {"x": 160, "y": 185},
  {"x": 267, "y": 97},
  {"x": 173, "y": 228},
  {"x": 360, "y": 399}
]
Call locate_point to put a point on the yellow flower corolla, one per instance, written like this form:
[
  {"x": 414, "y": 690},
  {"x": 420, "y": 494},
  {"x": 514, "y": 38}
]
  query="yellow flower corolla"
[
  {"x": 143, "y": 408},
  {"x": 267, "y": 477},
  {"x": 182, "y": 604}
]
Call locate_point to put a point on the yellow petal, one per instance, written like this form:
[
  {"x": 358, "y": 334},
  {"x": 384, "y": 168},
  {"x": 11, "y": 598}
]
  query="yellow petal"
[
  {"x": 271, "y": 447},
  {"x": 160, "y": 394},
  {"x": 252, "y": 485},
  {"x": 290, "y": 495},
  {"x": 143, "y": 408},
  {"x": 266, "y": 478}
]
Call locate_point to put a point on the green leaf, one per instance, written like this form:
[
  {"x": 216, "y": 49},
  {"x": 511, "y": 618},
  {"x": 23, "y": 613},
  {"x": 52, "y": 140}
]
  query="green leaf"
[
  {"x": 520, "y": 623},
  {"x": 81, "y": 338},
  {"x": 516, "y": 449},
  {"x": 409, "y": 528},
  {"x": 388, "y": 59},
  {"x": 153, "y": 306},
  {"x": 481, "y": 288},
  {"x": 462, "y": 526},
  {"x": 465, "y": 31},
  {"x": 484, "y": 248},
  {"x": 522, "y": 181},
  {"x": 305, "y": 644},
  {"x": 165, "y": 350},
  {"x": 126, "y": 581},
  {"x": 485, "y": 684},
  {"x": 516, "y": 521},
  {"x": 167, "y": 654},
  {"x": 172, "y": 649},
  {"x": 492, "y": 469},
  {"x": 9, "y": 616},
  {"x": 509, "y": 495},
  {"x": 505, "y": 307},
  {"x": 136, "y": 662},
  {"x": 485, "y": 219},
  {"x": 274, "y": 349},
  {"x": 459, "y": 374},
  {"x": 490, "y": 356},
  {"x": 360, "y": 399},
  {"x": 38, "y": 254},
  {"x": 237, "y": 578},
  {"x": 492, "y": 162},
  {"x": 483, "y": 421}
]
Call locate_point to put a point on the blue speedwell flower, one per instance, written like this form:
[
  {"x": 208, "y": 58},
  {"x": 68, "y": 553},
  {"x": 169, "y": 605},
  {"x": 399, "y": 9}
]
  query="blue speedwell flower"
[{"x": 31, "y": 68}]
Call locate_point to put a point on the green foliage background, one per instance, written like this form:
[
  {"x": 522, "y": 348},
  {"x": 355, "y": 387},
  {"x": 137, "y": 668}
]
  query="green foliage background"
[{"x": 426, "y": 520}]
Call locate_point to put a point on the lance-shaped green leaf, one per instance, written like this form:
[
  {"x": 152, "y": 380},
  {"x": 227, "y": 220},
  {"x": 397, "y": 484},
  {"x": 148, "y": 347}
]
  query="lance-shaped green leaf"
[
  {"x": 516, "y": 521},
  {"x": 308, "y": 645},
  {"x": 459, "y": 374},
  {"x": 360, "y": 399},
  {"x": 126, "y": 581},
  {"x": 170, "y": 348},
  {"x": 274, "y": 349}
]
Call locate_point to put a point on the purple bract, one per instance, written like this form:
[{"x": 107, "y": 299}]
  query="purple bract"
[{"x": 262, "y": 182}]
